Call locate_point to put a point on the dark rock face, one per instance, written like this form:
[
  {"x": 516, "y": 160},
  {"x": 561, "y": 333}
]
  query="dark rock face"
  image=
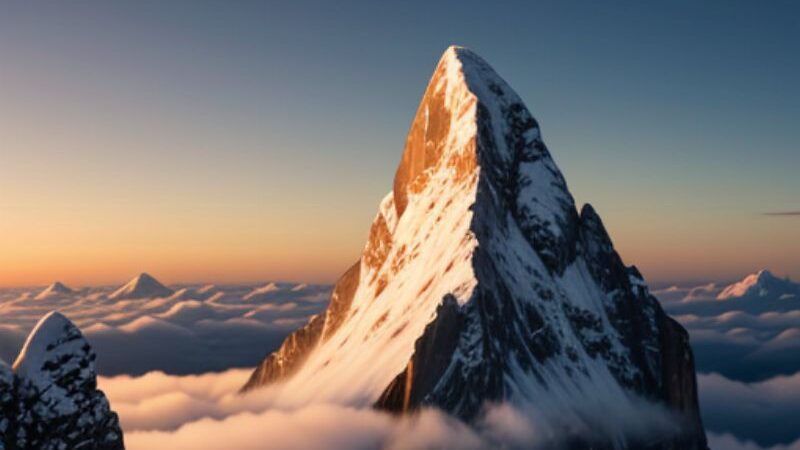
[
  {"x": 50, "y": 400},
  {"x": 432, "y": 354},
  {"x": 502, "y": 331}
]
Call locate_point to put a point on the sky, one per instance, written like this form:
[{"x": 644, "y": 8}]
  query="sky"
[{"x": 247, "y": 141}]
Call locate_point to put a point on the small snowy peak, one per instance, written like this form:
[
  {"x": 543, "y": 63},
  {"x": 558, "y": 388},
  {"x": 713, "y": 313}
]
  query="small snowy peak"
[
  {"x": 760, "y": 284},
  {"x": 57, "y": 361},
  {"x": 52, "y": 338},
  {"x": 54, "y": 290},
  {"x": 53, "y": 392},
  {"x": 143, "y": 286}
]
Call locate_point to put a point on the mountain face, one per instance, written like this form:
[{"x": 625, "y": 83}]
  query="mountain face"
[
  {"x": 49, "y": 399},
  {"x": 143, "y": 286},
  {"x": 481, "y": 282}
]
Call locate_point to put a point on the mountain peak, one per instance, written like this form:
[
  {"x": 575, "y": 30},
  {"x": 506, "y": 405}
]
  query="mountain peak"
[
  {"x": 55, "y": 289},
  {"x": 765, "y": 274},
  {"x": 142, "y": 286},
  {"x": 53, "y": 337},
  {"x": 57, "y": 380},
  {"x": 758, "y": 284},
  {"x": 463, "y": 93},
  {"x": 472, "y": 129},
  {"x": 480, "y": 282}
]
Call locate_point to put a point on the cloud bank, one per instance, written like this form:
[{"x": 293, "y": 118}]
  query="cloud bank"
[
  {"x": 196, "y": 330},
  {"x": 160, "y": 411},
  {"x": 752, "y": 337},
  {"x": 764, "y": 412}
]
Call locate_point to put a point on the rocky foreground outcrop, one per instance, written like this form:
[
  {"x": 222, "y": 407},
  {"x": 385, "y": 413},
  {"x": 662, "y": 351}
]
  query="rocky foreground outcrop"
[{"x": 49, "y": 398}]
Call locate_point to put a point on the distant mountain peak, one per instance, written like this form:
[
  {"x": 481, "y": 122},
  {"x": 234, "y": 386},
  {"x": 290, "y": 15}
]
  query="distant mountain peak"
[
  {"x": 142, "y": 286},
  {"x": 55, "y": 289},
  {"x": 759, "y": 284}
]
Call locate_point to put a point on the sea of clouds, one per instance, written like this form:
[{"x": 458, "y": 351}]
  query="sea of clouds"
[
  {"x": 198, "y": 329},
  {"x": 746, "y": 352},
  {"x": 172, "y": 368},
  {"x": 160, "y": 411}
]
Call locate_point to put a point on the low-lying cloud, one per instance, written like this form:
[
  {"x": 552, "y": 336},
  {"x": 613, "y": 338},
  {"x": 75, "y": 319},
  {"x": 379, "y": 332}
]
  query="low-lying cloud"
[
  {"x": 159, "y": 411},
  {"x": 763, "y": 412},
  {"x": 729, "y": 442},
  {"x": 197, "y": 330},
  {"x": 753, "y": 337}
]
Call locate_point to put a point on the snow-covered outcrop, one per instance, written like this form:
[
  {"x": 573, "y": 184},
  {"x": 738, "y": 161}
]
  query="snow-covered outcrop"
[
  {"x": 143, "y": 286},
  {"x": 49, "y": 399},
  {"x": 481, "y": 282}
]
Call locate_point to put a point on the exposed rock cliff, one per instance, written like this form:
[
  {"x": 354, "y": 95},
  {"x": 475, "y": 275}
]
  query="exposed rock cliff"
[{"x": 482, "y": 282}]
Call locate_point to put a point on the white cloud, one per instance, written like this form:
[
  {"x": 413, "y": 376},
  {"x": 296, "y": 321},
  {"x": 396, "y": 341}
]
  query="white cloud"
[
  {"x": 728, "y": 442},
  {"x": 762, "y": 412},
  {"x": 159, "y": 411},
  {"x": 198, "y": 329}
]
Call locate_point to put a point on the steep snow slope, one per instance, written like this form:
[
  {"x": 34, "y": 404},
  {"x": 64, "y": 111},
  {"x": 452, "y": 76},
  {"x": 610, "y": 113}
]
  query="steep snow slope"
[{"x": 481, "y": 282}]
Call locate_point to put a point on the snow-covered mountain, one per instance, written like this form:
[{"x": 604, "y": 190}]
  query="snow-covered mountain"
[
  {"x": 142, "y": 286},
  {"x": 54, "y": 290},
  {"x": 481, "y": 282},
  {"x": 761, "y": 284},
  {"x": 758, "y": 293},
  {"x": 49, "y": 399}
]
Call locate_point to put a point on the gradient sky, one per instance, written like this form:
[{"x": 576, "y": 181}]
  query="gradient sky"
[{"x": 245, "y": 141}]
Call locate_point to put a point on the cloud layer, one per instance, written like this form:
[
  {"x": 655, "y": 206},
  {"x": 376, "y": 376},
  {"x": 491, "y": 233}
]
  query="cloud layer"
[
  {"x": 762, "y": 412},
  {"x": 161, "y": 411},
  {"x": 752, "y": 337},
  {"x": 199, "y": 329}
]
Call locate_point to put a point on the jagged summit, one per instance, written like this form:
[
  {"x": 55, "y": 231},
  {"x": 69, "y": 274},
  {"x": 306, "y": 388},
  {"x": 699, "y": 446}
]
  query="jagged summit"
[
  {"x": 54, "y": 290},
  {"x": 480, "y": 282},
  {"x": 759, "y": 284},
  {"x": 142, "y": 286}
]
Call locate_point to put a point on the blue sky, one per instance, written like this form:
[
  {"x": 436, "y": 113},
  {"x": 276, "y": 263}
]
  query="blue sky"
[{"x": 250, "y": 140}]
